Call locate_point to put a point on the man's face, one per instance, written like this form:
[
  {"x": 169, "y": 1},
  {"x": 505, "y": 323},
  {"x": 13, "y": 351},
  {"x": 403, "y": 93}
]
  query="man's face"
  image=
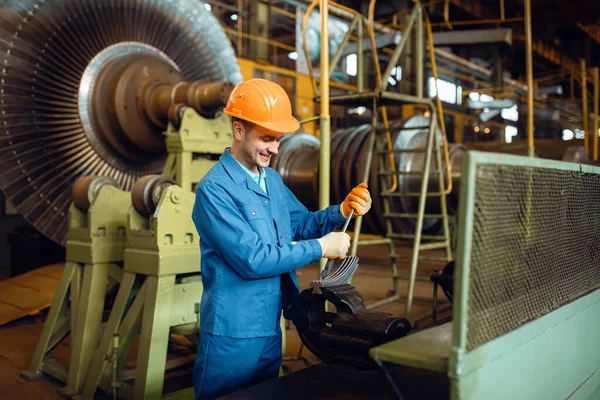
[{"x": 254, "y": 147}]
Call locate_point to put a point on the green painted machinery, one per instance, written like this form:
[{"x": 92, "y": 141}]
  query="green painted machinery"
[
  {"x": 95, "y": 252},
  {"x": 145, "y": 241},
  {"x": 159, "y": 294}
]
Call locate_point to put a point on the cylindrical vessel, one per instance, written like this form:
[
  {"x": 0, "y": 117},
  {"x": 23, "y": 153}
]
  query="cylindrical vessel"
[{"x": 298, "y": 163}]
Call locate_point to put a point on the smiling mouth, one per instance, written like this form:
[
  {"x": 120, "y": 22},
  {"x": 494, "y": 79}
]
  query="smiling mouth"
[{"x": 265, "y": 157}]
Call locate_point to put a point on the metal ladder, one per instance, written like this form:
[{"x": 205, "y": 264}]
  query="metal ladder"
[
  {"x": 433, "y": 149},
  {"x": 380, "y": 97}
]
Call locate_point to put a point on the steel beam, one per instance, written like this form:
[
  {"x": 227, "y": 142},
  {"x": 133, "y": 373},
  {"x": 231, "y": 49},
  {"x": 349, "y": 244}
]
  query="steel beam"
[{"x": 502, "y": 35}]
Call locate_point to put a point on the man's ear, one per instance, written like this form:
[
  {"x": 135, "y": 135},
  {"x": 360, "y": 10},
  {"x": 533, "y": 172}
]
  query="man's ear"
[{"x": 238, "y": 130}]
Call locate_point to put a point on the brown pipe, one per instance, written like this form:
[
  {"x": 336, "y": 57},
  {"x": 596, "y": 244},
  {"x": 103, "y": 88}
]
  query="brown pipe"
[{"x": 205, "y": 97}]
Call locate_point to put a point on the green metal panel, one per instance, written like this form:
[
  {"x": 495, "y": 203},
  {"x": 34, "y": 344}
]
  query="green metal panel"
[
  {"x": 154, "y": 338},
  {"x": 427, "y": 349},
  {"x": 100, "y": 359},
  {"x": 98, "y": 234},
  {"x": 163, "y": 262},
  {"x": 199, "y": 135},
  {"x": 196, "y": 135},
  {"x": 85, "y": 341},
  {"x": 171, "y": 244},
  {"x": 186, "y": 299},
  {"x": 548, "y": 358},
  {"x": 52, "y": 324},
  {"x": 554, "y": 356},
  {"x": 185, "y": 394},
  {"x": 589, "y": 389}
]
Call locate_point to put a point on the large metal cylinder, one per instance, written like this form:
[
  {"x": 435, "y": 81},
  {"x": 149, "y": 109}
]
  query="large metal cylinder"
[
  {"x": 298, "y": 164},
  {"x": 86, "y": 87}
]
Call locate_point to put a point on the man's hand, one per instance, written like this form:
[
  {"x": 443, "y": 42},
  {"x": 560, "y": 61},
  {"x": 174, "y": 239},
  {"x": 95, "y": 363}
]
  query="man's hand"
[
  {"x": 358, "y": 199},
  {"x": 335, "y": 244}
]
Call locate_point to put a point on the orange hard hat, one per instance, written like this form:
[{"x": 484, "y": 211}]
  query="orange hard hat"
[{"x": 263, "y": 103}]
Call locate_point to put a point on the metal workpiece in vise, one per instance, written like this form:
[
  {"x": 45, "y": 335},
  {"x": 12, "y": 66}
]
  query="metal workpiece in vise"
[
  {"x": 95, "y": 252},
  {"x": 344, "y": 336},
  {"x": 159, "y": 294}
]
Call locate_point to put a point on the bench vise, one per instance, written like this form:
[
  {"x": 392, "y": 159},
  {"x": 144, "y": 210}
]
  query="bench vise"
[{"x": 346, "y": 335}]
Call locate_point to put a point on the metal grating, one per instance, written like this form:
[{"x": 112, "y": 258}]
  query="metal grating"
[{"x": 535, "y": 245}]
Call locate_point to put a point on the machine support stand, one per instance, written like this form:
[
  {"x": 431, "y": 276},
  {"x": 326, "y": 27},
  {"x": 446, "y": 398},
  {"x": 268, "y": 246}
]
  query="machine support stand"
[{"x": 96, "y": 240}]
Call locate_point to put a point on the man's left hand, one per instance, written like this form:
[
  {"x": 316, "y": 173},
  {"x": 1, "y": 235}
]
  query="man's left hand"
[{"x": 359, "y": 199}]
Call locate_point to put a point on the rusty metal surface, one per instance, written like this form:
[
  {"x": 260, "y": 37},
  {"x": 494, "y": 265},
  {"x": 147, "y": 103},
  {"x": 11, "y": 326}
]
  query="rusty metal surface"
[{"x": 53, "y": 55}]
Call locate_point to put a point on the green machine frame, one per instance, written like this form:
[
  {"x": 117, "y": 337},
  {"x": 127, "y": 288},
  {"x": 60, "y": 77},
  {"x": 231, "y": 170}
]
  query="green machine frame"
[
  {"x": 189, "y": 146},
  {"x": 95, "y": 251},
  {"x": 554, "y": 356},
  {"x": 111, "y": 239},
  {"x": 162, "y": 252},
  {"x": 162, "y": 255}
]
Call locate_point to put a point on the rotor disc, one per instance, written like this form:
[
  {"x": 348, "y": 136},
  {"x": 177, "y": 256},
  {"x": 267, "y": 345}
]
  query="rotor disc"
[{"x": 46, "y": 49}]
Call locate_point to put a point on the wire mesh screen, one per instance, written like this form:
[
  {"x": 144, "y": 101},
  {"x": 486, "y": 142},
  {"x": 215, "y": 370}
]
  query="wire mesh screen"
[{"x": 535, "y": 245}]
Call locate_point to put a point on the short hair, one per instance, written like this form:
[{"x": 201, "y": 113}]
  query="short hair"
[{"x": 246, "y": 124}]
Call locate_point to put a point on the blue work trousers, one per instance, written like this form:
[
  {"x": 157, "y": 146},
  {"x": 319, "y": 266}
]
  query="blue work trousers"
[{"x": 225, "y": 364}]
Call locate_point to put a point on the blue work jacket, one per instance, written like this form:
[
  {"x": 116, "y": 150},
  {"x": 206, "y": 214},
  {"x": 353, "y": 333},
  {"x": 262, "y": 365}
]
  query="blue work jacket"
[{"x": 246, "y": 248}]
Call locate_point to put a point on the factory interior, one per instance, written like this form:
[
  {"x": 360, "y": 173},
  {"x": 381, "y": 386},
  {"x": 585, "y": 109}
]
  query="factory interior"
[{"x": 475, "y": 274}]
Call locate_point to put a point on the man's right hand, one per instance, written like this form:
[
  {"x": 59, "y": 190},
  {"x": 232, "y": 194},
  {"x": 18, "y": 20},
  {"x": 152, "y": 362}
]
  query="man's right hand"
[{"x": 335, "y": 244}]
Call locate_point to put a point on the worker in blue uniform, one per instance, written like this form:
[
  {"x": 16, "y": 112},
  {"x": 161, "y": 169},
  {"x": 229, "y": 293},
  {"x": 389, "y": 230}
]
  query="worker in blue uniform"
[{"x": 254, "y": 234}]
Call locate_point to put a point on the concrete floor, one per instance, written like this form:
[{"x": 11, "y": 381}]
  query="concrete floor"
[{"x": 372, "y": 279}]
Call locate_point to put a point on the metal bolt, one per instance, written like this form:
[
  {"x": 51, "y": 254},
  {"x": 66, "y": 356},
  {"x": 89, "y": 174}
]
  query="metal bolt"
[{"x": 175, "y": 197}]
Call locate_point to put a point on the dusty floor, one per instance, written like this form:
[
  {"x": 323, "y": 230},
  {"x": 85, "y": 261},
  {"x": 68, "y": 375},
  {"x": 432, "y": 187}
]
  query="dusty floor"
[{"x": 372, "y": 279}]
